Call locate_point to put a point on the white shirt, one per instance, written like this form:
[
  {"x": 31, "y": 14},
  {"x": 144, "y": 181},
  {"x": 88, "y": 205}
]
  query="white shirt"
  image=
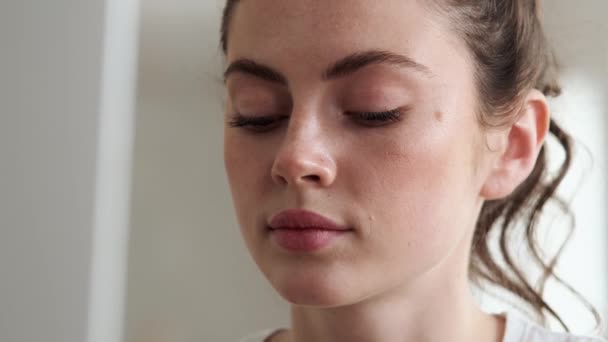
[{"x": 517, "y": 329}]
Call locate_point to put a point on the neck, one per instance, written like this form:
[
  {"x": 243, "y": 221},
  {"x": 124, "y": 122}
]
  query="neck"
[
  {"x": 438, "y": 307},
  {"x": 445, "y": 317}
]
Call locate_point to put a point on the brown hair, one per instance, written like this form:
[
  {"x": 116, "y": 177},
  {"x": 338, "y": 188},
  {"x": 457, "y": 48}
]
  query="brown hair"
[{"x": 512, "y": 56}]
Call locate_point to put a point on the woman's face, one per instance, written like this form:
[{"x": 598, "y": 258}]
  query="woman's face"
[{"x": 406, "y": 182}]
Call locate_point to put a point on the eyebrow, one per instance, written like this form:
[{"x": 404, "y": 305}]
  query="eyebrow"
[
  {"x": 342, "y": 68},
  {"x": 248, "y": 66},
  {"x": 356, "y": 61}
]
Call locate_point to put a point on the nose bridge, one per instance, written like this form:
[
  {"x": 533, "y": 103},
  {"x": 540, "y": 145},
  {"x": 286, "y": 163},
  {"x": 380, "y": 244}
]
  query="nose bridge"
[
  {"x": 303, "y": 128},
  {"x": 305, "y": 123},
  {"x": 303, "y": 142},
  {"x": 305, "y": 119},
  {"x": 304, "y": 154}
]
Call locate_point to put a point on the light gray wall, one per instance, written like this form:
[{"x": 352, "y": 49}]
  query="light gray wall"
[
  {"x": 190, "y": 278},
  {"x": 52, "y": 104},
  {"x": 48, "y": 131}
]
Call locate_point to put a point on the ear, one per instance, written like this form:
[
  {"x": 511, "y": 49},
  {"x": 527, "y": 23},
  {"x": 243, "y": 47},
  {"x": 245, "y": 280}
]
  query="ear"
[{"x": 518, "y": 155}]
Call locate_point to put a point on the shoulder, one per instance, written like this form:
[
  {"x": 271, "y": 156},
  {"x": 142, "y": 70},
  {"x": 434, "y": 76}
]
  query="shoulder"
[
  {"x": 260, "y": 336},
  {"x": 521, "y": 330}
]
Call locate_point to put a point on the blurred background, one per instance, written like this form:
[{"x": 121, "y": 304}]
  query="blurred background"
[{"x": 115, "y": 217}]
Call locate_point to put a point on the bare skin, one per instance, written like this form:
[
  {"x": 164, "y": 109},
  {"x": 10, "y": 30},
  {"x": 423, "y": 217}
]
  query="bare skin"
[{"x": 410, "y": 188}]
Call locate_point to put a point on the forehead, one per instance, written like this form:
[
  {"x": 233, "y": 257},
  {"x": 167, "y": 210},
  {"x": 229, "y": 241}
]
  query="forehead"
[
  {"x": 342, "y": 14},
  {"x": 326, "y": 26},
  {"x": 301, "y": 38}
]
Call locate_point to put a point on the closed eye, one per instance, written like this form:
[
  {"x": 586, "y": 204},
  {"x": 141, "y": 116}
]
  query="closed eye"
[
  {"x": 256, "y": 123},
  {"x": 266, "y": 123},
  {"x": 377, "y": 118}
]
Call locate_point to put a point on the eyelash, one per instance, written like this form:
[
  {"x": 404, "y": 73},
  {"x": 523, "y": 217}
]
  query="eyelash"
[
  {"x": 377, "y": 117},
  {"x": 255, "y": 123},
  {"x": 263, "y": 123}
]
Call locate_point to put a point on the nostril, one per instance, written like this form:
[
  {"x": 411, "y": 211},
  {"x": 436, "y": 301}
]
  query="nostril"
[
  {"x": 280, "y": 180},
  {"x": 314, "y": 178},
  {"x": 300, "y": 171}
]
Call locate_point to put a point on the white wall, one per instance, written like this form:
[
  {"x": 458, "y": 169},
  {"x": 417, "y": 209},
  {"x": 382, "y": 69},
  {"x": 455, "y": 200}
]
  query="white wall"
[
  {"x": 190, "y": 278},
  {"x": 56, "y": 93},
  {"x": 578, "y": 31}
]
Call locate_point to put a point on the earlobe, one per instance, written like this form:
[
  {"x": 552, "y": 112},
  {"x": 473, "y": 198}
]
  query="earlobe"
[{"x": 525, "y": 138}]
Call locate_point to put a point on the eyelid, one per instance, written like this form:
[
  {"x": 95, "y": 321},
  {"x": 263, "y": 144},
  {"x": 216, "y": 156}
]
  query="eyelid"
[
  {"x": 255, "y": 123},
  {"x": 261, "y": 123},
  {"x": 362, "y": 113},
  {"x": 398, "y": 110},
  {"x": 381, "y": 118}
]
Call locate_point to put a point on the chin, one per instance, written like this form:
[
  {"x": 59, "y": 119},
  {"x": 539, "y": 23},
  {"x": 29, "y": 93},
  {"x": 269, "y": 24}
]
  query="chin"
[
  {"x": 315, "y": 290},
  {"x": 311, "y": 298}
]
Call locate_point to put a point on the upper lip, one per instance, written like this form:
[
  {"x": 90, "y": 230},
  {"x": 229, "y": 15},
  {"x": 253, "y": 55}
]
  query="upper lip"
[{"x": 303, "y": 219}]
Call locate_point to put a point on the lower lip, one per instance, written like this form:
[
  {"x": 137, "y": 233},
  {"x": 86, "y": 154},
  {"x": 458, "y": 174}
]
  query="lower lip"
[{"x": 305, "y": 240}]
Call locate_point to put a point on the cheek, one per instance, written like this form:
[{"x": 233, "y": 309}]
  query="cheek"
[
  {"x": 247, "y": 168},
  {"x": 419, "y": 201}
]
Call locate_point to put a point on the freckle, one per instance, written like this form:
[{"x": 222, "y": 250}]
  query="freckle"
[
  {"x": 438, "y": 116},
  {"x": 393, "y": 156}
]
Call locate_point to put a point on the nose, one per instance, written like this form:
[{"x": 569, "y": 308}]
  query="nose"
[{"x": 304, "y": 157}]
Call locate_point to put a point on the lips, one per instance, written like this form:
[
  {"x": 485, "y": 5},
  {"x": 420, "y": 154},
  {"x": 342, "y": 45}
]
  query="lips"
[
  {"x": 303, "y": 219},
  {"x": 303, "y": 231}
]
